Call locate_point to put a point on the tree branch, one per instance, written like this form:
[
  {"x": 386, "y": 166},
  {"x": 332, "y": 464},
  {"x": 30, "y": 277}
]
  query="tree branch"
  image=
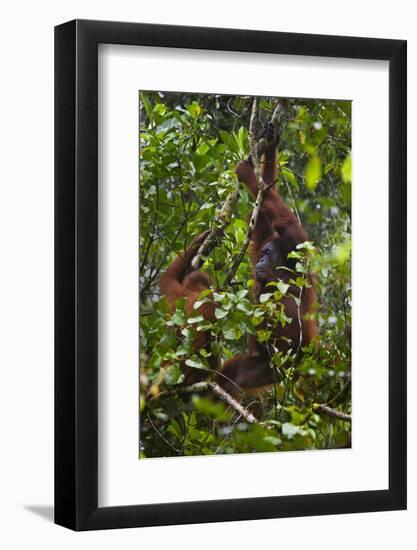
[
  {"x": 217, "y": 231},
  {"x": 262, "y": 188},
  {"x": 224, "y": 396},
  {"x": 332, "y": 412}
]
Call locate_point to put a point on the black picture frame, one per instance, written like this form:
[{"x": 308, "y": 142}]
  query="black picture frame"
[{"x": 76, "y": 272}]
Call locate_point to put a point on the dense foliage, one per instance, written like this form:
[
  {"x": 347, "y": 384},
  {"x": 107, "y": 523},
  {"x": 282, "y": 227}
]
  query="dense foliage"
[{"x": 189, "y": 145}]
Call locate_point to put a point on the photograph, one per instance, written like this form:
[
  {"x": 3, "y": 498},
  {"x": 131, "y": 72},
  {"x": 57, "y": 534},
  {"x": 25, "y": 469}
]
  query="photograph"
[
  {"x": 208, "y": 275},
  {"x": 245, "y": 274}
]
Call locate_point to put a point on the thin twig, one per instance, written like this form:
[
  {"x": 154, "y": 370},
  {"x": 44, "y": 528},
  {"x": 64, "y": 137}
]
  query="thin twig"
[
  {"x": 162, "y": 437},
  {"x": 292, "y": 198},
  {"x": 227, "y": 436},
  {"x": 339, "y": 393}
]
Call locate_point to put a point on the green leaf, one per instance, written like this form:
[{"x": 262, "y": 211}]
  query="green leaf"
[
  {"x": 203, "y": 149},
  {"x": 193, "y": 320},
  {"x": 220, "y": 313},
  {"x": 265, "y": 297},
  {"x": 312, "y": 173},
  {"x": 245, "y": 307},
  {"x": 204, "y": 326},
  {"x": 199, "y": 303},
  {"x": 173, "y": 375},
  {"x": 160, "y": 108},
  {"x": 151, "y": 191},
  {"x": 195, "y": 364},
  {"x": 300, "y": 267},
  {"x": 290, "y": 176},
  {"x": 210, "y": 408},
  {"x": 294, "y": 254},
  {"x": 341, "y": 253},
  {"x": 226, "y": 137},
  {"x": 263, "y": 335},
  {"x": 346, "y": 169},
  {"x": 289, "y": 430},
  {"x": 147, "y": 105},
  {"x": 187, "y": 333},
  {"x": 194, "y": 109},
  {"x": 216, "y": 347},
  {"x": 231, "y": 333},
  {"x": 178, "y": 317},
  {"x": 307, "y": 245},
  {"x": 273, "y": 440},
  {"x": 282, "y": 287},
  {"x": 241, "y": 139}
]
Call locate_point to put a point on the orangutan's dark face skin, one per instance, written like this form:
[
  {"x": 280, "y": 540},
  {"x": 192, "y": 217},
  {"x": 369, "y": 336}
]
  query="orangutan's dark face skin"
[{"x": 269, "y": 259}]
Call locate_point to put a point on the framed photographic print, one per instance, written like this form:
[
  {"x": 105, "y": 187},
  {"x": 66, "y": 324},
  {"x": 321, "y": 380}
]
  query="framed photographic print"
[{"x": 230, "y": 275}]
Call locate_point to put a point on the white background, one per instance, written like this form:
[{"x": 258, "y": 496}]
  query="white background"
[
  {"x": 26, "y": 400},
  {"x": 123, "y": 479}
]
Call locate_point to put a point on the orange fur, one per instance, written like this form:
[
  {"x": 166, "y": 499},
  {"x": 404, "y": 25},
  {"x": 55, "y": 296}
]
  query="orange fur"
[
  {"x": 251, "y": 372},
  {"x": 276, "y": 224},
  {"x": 179, "y": 281}
]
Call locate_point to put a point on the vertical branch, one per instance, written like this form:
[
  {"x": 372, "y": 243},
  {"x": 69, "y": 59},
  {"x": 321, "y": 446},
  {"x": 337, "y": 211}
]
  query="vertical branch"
[
  {"x": 278, "y": 108},
  {"x": 262, "y": 188},
  {"x": 252, "y": 139}
]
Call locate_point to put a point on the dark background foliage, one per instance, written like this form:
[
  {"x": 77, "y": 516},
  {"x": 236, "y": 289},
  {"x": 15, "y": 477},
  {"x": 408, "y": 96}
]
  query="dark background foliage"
[{"x": 189, "y": 145}]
